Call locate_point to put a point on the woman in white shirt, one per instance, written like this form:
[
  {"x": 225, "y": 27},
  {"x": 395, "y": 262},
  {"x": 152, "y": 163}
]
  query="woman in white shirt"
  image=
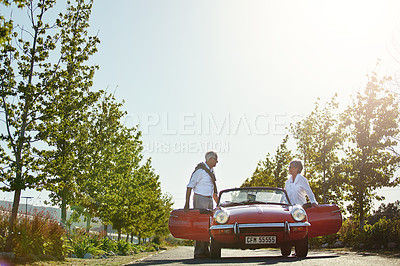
[{"x": 297, "y": 186}]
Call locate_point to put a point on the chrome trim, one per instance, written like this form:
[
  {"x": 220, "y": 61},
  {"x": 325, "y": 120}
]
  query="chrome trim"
[
  {"x": 261, "y": 225},
  {"x": 300, "y": 224},
  {"x": 236, "y": 229},
  {"x": 287, "y": 227},
  {"x": 336, "y": 211},
  {"x": 221, "y": 226}
]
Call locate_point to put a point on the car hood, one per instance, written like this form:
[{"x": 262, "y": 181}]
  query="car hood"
[{"x": 259, "y": 213}]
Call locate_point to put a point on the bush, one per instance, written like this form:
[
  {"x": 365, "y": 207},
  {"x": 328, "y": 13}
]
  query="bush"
[
  {"x": 38, "y": 235},
  {"x": 382, "y": 232},
  {"x": 373, "y": 236},
  {"x": 82, "y": 243},
  {"x": 317, "y": 242},
  {"x": 108, "y": 245},
  {"x": 123, "y": 247}
]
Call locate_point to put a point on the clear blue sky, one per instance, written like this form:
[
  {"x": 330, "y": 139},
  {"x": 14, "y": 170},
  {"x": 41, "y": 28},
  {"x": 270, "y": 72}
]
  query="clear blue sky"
[{"x": 231, "y": 75}]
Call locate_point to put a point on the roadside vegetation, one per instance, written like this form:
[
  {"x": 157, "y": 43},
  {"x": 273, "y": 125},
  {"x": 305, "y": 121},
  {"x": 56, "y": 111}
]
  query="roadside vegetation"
[
  {"x": 348, "y": 153},
  {"x": 38, "y": 237},
  {"x": 60, "y": 134}
]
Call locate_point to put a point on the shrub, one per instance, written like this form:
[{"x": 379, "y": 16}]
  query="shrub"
[
  {"x": 82, "y": 243},
  {"x": 86, "y": 246},
  {"x": 319, "y": 241},
  {"x": 107, "y": 245},
  {"x": 374, "y": 235},
  {"x": 123, "y": 247},
  {"x": 37, "y": 234}
]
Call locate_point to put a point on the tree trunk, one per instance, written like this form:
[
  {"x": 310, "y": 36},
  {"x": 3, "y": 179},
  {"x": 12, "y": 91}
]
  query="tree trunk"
[
  {"x": 88, "y": 218},
  {"x": 63, "y": 208},
  {"x": 119, "y": 234},
  {"x": 131, "y": 237},
  {"x": 13, "y": 218},
  {"x": 361, "y": 215}
]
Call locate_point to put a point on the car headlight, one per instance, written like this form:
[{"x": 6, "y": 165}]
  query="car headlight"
[
  {"x": 298, "y": 213},
  {"x": 221, "y": 217}
]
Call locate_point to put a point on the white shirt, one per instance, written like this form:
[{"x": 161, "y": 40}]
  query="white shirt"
[
  {"x": 201, "y": 182},
  {"x": 298, "y": 190}
]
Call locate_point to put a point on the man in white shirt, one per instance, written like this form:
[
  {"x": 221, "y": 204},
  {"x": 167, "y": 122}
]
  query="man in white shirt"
[
  {"x": 297, "y": 186},
  {"x": 202, "y": 182}
]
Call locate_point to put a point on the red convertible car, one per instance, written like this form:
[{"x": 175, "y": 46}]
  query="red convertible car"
[{"x": 256, "y": 217}]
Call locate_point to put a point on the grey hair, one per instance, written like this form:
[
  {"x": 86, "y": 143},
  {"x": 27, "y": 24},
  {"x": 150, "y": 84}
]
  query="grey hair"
[
  {"x": 211, "y": 154},
  {"x": 297, "y": 164}
]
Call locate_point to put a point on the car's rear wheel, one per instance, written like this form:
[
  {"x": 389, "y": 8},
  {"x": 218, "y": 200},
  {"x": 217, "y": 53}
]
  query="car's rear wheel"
[
  {"x": 301, "y": 247},
  {"x": 215, "y": 249},
  {"x": 286, "y": 249}
]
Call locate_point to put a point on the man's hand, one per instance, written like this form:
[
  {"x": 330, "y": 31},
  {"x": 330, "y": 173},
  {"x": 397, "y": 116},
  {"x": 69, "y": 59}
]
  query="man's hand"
[
  {"x": 215, "y": 196},
  {"x": 186, "y": 207}
]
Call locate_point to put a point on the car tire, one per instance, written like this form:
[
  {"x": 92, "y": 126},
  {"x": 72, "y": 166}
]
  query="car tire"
[
  {"x": 301, "y": 247},
  {"x": 286, "y": 249},
  {"x": 215, "y": 249}
]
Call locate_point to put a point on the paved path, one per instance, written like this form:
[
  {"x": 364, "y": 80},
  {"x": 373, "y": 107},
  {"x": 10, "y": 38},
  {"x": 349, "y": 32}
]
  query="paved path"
[{"x": 184, "y": 256}]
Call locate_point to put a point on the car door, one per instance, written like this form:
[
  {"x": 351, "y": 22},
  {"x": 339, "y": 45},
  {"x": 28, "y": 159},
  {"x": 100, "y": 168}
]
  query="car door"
[
  {"x": 191, "y": 224},
  {"x": 325, "y": 219}
]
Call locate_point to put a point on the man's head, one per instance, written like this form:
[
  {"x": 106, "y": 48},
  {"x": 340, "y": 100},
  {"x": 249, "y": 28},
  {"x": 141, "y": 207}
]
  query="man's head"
[
  {"x": 295, "y": 167},
  {"x": 211, "y": 159}
]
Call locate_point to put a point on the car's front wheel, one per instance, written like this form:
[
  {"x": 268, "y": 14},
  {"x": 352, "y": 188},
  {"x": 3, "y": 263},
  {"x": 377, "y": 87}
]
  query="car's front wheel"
[
  {"x": 301, "y": 247},
  {"x": 215, "y": 249},
  {"x": 286, "y": 249}
]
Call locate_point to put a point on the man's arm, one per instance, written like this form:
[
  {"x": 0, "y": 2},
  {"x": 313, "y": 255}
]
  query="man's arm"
[{"x": 188, "y": 192}]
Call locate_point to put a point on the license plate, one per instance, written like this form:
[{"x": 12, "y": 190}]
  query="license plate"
[{"x": 260, "y": 240}]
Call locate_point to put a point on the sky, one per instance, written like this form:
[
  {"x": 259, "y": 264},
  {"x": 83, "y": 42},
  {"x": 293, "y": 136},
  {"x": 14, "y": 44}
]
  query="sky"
[{"x": 231, "y": 76}]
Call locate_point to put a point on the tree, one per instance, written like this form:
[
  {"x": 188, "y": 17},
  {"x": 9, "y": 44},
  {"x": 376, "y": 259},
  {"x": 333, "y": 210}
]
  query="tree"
[
  {"x": 282, "y": 159},
  {"x": 318, "y": 139},
  {"x": 25, "y": 85},
  {"x": 263, "y": 175},
  {"x": 108, "y": 154},
  {"x": 302, "y": 132},
  {"x": 372, "y": 122},
  {"x": 390, "y": 211},
  {"x": 7, "y": 26},
  {"x": 68, "y": 106},
  {"x": 271, "y": 172}
]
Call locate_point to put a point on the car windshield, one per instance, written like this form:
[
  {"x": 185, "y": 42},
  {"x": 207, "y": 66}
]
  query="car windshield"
[{"x": 253, "y": 196}]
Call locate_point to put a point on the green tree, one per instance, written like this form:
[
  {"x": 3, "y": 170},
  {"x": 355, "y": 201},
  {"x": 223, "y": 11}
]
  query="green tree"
[
  {"x": 372, "y": 122},
  {"x": 318, "y": 139},
  {"x": 150, "y": 209},
  {"x": 282, "y": 159},
  {"x": 389, "y": 211},
  {"x": 272, "y": 172},
  {"x": 108, "y": 154},
  {"x": 263, "y": 175},
  {"x": 68, "y": 105},
  {"x": 6, "y": 26},
  {"x": 25, "y": 85}
]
